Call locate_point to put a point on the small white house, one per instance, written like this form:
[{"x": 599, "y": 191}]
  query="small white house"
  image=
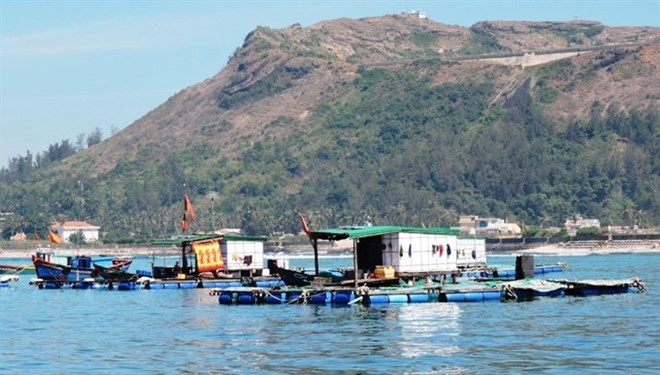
[
  {"x": 575, "y": 223},
  {"x": 67, "y": 228},
  {"x": 488, "y": 226}
]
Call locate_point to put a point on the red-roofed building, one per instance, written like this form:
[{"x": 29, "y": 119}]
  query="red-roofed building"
[{"x": 67, "y": 228}]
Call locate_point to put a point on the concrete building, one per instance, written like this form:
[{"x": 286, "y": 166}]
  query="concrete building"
[
  {"x": 67, "y": 228},
  {"x": 487, "y": 226}
]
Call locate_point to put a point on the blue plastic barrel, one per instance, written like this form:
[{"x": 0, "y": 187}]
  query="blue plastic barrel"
[
  {"x": 342, "y": 297},
  {"x": 275, "y": 298},
  {"x": 292, "y": 296},
  {"x": 126, "y": 285},
  {"x": 225, "y": 298},
  {"x": 379, "y": 298},
  {"x": 473, "y": 296},
  {"x": 419, "y": 298},
  {"x": 398, "y": 298},
  {"x": 494, "y": 295},
  {"x": 318, "y": 298},
  {"x": 454, "y": 297},
  {"x": 245, "y": 298}
]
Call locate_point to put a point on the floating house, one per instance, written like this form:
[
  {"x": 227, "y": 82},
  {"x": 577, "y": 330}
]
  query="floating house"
[
  {"x": 232, "y": 255},
  {"x": 410, "y": 252}
]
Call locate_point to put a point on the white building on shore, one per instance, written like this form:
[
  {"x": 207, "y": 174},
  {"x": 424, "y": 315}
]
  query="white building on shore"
[{"x": 66, "y": 229}]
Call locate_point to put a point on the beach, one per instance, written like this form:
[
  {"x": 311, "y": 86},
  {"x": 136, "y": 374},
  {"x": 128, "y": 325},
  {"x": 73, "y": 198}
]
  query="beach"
[{"x": 594, "y": 247}]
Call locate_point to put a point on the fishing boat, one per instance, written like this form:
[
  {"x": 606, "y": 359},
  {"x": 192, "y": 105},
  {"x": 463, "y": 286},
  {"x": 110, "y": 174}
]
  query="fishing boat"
[
  {"x": 584, "y": 288},
  {"x": 289, "y": 276},
  {"x": 11, "y": 269},
  {"x": 117, "y": 271},
  {"x": 52, "y": 267}
]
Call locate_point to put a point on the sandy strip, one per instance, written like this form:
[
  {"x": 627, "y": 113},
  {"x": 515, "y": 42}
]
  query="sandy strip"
[{"x": 592, "y": 247}]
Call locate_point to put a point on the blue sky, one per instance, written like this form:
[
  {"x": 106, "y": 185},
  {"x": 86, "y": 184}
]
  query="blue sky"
[{"x": 68, "y": 67}]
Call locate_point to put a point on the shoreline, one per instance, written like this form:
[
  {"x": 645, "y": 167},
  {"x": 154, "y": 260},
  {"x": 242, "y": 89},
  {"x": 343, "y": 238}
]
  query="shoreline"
[
  {"x": 586, "y": 248},
  {"x": 568, "y": 248}
]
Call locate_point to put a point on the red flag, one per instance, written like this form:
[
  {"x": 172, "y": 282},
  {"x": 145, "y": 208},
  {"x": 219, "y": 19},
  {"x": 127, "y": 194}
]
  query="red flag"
[
  {"x": 54, "y": 238},
  {"x": 184, "y": 223},
  {"x": 187, "y": 206},
  {"x": 304, "y": 225}
]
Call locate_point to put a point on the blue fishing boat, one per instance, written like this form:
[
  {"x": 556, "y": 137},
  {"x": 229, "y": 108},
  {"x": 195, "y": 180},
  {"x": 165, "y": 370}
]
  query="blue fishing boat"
[{"x": 52, "y": 267}]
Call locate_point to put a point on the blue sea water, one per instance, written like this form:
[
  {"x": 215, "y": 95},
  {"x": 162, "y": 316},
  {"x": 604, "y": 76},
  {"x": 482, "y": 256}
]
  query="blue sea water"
[{"x": 188, "y": 332}]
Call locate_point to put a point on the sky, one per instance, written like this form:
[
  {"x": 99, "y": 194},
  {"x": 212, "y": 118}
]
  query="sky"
[{"x": 68, "y": 67}]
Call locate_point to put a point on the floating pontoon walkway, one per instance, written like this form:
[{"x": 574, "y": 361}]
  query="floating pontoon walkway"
[
  {"x": 154, "y": 284},
  {"x": 519, "y": 290}
]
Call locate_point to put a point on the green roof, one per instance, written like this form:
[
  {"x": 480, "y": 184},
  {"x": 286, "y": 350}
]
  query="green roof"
[
  {"x": 181, "y": 240},
  {"x": 362, "y": 232},
  {"x": 239, "y": 237}
]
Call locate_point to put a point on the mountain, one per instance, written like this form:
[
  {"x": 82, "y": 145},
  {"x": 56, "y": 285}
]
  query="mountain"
[{"x": 399, "y": 118}]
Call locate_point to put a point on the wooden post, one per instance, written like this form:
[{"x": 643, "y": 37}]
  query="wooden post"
[
  {"x": 355, "y": 264},
  {"x": 316, "y": 256}
]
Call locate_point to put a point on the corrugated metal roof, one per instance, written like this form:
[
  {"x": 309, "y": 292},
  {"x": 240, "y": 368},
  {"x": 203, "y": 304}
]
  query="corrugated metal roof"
[
  {"x": 180, "y": 240},
  {"x": 362, "y": 232}
]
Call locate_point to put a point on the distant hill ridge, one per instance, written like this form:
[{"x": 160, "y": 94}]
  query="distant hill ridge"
[{"x": 193, "y": 114}]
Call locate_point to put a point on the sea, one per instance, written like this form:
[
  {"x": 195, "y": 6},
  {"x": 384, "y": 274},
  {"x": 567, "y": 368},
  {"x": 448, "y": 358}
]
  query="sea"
[{"x": 189, "y": 332}]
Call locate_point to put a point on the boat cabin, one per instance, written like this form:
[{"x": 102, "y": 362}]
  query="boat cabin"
[{"x": 75, "y": 261}]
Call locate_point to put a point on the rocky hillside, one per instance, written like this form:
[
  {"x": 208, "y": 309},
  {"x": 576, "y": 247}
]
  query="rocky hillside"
[{"x": 286, "y": 73}]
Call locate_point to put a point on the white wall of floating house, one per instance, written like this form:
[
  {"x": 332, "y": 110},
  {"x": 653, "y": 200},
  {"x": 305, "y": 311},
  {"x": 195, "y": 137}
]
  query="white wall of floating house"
[
  {"x": 243, "y": 255},
  {"x": 391, "y": 252},
  {"x": 480, "y": 249},
  {"x": 471, "y": 251},
  {"x": 418, "y": 252},
  {"x": 446, "y": 252}
]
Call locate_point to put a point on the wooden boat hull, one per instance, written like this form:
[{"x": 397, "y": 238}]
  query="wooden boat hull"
[
  {"x": 51, "y": 271},
  {"x": 10, "y": 269},
  {"x": 114, "y": 273}
]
